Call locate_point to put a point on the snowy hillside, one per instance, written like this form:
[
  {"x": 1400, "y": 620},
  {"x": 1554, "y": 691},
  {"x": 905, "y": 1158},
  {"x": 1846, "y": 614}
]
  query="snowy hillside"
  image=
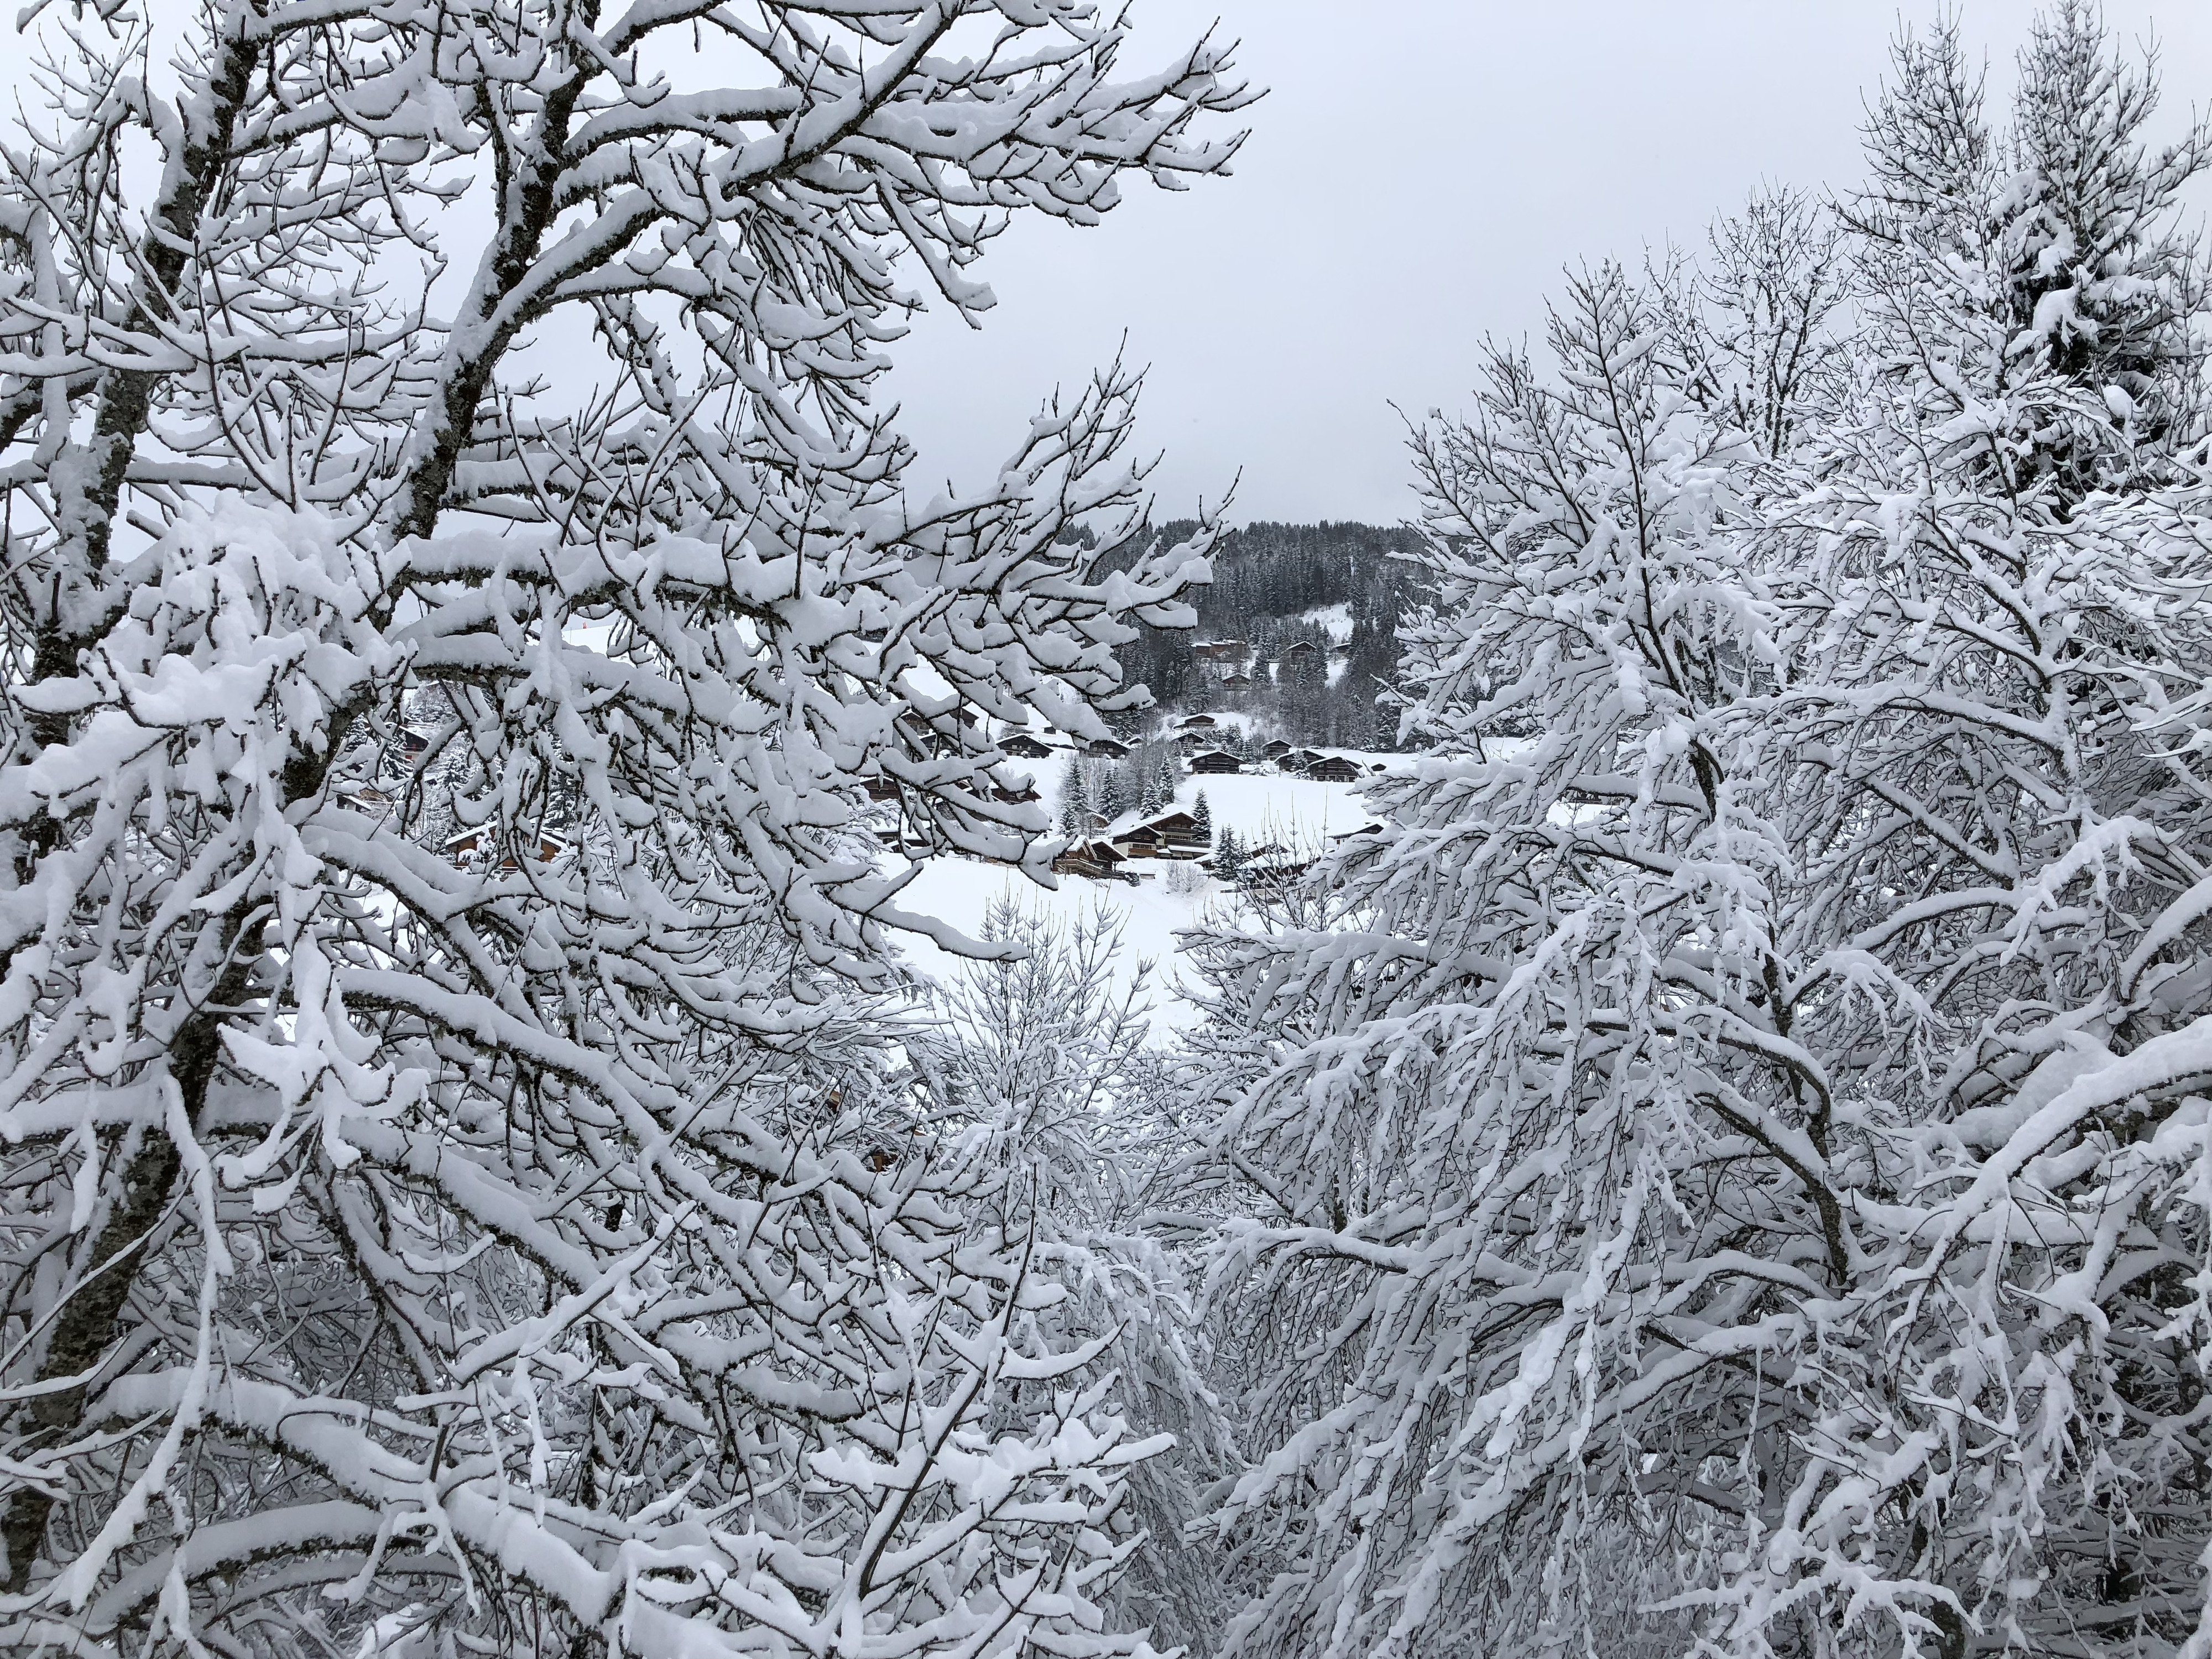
[{"x": 1296, "y": 813}]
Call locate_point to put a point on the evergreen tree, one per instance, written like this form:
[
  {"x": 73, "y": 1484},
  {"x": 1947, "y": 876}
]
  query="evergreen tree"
[
  {"x": 1112, "y": 797},
  {"x": 1075, "y": 803},
  {"x": 2102, "y": 281},
  {"x": 1228, "y": 855},
  {"x": 1202, "y": 815}
]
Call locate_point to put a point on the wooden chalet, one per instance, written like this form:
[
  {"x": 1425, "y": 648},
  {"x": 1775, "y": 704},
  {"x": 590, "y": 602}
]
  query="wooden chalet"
[
  {"x": 1303, "y": 649},
  {"x": 1178, "y": 829},
  {"x": 880, "y": 788},
  {"x": 1235, "y": 682},
  {"x": 1094, "y": 859},
  {"x": 1023, "y": 746},
  {"x": 1197, "y": 722},
  {"x": 470, "y": 842},
  {"x": 1106, "y": 749},
  {"x": 1275, "y": 872},
  {"x": 1276, "y": 749},
  {"x": 1334, "y": 768},
  {"x": 1221, "y": 650},
  {"x": 1216, "y": 761},
  {"x": 1142, "y": 842}
]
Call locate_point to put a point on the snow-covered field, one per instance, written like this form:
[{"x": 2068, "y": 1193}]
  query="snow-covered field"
[
  {"x": 1296, "y": 813},
  {"x": 1335, "y": 618}
]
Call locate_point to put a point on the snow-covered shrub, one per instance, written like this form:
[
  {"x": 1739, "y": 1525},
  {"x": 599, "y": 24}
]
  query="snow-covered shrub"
[{"x": 1183, "y": 879}]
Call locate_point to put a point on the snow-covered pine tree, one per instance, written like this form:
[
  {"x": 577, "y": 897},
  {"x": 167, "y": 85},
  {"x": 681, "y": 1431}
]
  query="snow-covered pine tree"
[
  {"x": 2050, "y": 261},
  {"x": 1148, "y": 782},
  {"x": 1202, "y": 815},
  {"x": 1228, "y": 855},
  {"x": 1111, "y": 794},
  {"x": 1074, "y": 798},
  {"x": 530, "y": 1256},
  {"x": 2103, "y": 282}
]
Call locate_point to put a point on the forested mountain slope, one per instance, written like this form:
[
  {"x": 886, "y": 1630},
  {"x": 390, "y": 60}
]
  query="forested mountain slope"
[{"x": 1298, "y": 629}]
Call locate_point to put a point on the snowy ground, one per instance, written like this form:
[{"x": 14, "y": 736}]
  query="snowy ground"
[
  {"x": 1334, "y": 618},
  {"x": 1296, "y": 812}
]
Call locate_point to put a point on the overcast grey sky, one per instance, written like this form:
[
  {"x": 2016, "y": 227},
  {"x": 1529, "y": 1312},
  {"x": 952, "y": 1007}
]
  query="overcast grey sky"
[{"x": 1417, "y": 174}]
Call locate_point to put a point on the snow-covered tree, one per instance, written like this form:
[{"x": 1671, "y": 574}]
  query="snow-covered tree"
[
  {"x": 538, "y": 1252},
  {"x": 1111, "y": 794},
  {"x": 1201, "y": 814},
  {"x": 1737, "y": 1132},
  {"x": 2045, "y": 270},
  {"x": 1168, "y": 769},
  {"x": 1228, "y": 855},
  {"x": 2104, "y": 285},
  {"x": 1766, "y": 321},
  {"x": 1482, "y": 1133},
  {"x": 1043, "y": 1060}
]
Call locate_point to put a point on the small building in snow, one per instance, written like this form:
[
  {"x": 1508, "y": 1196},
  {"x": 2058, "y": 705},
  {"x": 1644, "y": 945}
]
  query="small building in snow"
[
  {"x": 479, "y": 840},
  {"x": 1177, "y": 829},
  {"x": 1094, "y": 859},
  {"x": 1142, "y": 842}
]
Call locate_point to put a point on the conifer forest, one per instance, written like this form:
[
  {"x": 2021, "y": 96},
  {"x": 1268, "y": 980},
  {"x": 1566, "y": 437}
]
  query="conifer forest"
[{"x": 630, "y": 1029}]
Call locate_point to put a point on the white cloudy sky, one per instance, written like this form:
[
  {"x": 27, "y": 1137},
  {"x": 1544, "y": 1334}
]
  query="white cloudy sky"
[{"x": 1418, "y": 173}]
